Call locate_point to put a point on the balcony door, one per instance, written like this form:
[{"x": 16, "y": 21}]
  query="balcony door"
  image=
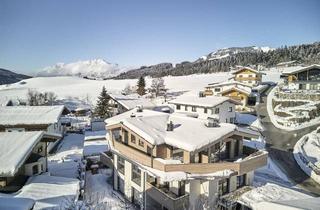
[{"x": 126, "y": 137}]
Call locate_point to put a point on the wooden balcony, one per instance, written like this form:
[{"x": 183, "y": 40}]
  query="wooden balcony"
[
  {"x": 168, "y": 200},
  {"x": 251, "y": 162}
]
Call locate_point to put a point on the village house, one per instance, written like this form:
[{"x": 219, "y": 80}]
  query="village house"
[
  {"x": 172, "y": 161},
  {"x": 22, "y": 154},
  {"x": 303, "y": 78},
  {"x": 248, "y": 76},
  {"x": 123, "y": 103},
  {"x": 221, "y": 108},
  {"x": 217, "y": 88},
  {"x": 33, "y": 118}
]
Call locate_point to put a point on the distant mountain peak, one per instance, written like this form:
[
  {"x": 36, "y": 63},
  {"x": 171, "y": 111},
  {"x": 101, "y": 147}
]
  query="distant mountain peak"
[{"x": 97, "y": 68}]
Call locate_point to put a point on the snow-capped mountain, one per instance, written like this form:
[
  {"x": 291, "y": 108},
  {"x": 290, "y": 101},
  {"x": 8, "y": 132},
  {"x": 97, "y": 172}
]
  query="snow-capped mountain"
[
  {"x": 226, "y": 52},
  {"x": 97, "y": 68}
]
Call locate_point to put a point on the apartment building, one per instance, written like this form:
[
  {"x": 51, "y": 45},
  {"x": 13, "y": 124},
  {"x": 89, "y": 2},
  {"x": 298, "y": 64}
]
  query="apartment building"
[
  {"x": 172, "y": 161},
  {"x": 221, "y": 108}
]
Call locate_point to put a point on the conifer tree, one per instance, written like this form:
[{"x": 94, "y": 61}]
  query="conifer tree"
[
  {"x": 103, "y": 108},
  {"x": 141, "y": 86}
]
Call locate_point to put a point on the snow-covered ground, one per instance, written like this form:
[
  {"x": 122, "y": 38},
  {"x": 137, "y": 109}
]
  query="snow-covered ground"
[
  {"x": 88, "y": 90},
  {"x": 66, "y": 160},
  {"x": 270, "y": 173},
  {"x": 307, "y": 154},
  {"x": 100, "y": 194},
  {"x": 270, "y": 192}
]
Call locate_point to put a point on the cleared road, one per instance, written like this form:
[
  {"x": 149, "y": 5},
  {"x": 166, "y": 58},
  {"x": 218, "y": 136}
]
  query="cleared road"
[{"x": 280, "y": 145}]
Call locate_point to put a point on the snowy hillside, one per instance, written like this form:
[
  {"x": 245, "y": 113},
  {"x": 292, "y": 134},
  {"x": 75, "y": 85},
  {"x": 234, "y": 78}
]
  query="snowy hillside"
[
  {"x": 226, "y": 52},
  {"x": 84, "y": 89},
  {"x": 97, "y": 68}
]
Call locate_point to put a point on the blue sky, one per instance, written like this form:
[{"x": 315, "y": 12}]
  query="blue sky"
[{"x": 39, "y": 33}]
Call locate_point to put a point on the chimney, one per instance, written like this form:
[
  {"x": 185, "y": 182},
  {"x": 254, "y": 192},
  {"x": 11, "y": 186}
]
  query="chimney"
[
  {"x": 133, "y": 115},
  {"x": 170, "y": 126},
  {"x": 212, "y": 122},
  {"x": 139, "y": 108}
]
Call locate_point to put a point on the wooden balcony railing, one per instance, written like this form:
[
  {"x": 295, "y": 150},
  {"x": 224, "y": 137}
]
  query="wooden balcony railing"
[{"x": 249, "y": 163}]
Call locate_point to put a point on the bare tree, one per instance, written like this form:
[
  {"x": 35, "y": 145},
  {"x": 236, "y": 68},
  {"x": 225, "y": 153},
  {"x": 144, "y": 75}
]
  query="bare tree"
[{"x": 158, "y": 87}]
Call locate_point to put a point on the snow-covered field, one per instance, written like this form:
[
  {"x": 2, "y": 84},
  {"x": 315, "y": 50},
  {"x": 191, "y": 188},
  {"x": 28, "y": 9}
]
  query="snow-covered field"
[
  {"x": 307, "y": 154},
  {"x": 88, "y": 90}
]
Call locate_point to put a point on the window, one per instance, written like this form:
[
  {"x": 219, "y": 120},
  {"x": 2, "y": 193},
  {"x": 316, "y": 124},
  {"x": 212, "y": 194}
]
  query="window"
[
  {"x": 250, "y": 75},
  {"x": 217, "y": 90},
  {"x": 35, "y": 169},
  {"x": 149, "y": 150},
  {"x": 223, "y": 186},
  {"x": 136, "y": 175},
  {"x": 141, "y": 143},
  {"x": 231, "y": 120},
  {"x": 241, "y": 181},
  {"x": 240, "y": 75},
  {"x": 230, "y": 109},
  {"x": 133, "y": 139},
  {"x": 194, "y": 109},
  {"x": 205, "y": 110},
  {"x": 120, "y": 164},
  {"x": 185, "y": 108},
  {"x": 217, "y": 111},
  {"x": 178, "y": 106}
]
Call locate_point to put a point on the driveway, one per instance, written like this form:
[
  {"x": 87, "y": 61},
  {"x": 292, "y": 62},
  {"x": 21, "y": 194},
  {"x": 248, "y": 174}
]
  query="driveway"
[{"x": 280, "y": 145}]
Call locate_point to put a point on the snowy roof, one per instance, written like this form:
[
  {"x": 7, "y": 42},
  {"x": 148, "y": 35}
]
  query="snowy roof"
[
  {"x": 95, "y": 135},
  {"x": 300, "y": 69},
  {"x": 209, "y": 101},
  {"x": 10, "y": 202},
  {"x": 15, "y": 148},
  {"x": 151, "y": 126},
  {"x": 229, "y": 82},
  {"x": 51, "y": 191},
  {"x": 246, "y": 68},
  {"x": 270, "y": 193},
  {"x": 27, "y": 115},
  {"x": 241, "y": 90},
  {"x": 92, "y": 148},
  {"x": 309, "y": 203},
  {"x": 131, "y": 101}
]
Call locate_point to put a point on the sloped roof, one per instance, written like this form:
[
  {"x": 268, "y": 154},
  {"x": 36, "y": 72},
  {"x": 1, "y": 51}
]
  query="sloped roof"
[
  {"x": 15, "y": 147},
  {"x": 246, "y": 68},
  {"x": 131, "y": 101},
  {"x": 50, "y": 192},
  {"x": 236, "y": 89},
  {"x": 209, "y": 101},
  {"x": 10, "y": 202},
  {"x": 300, "y": 69},
  {"x": 30, "y": 115},
  {"x": 189, "y": 133},
  {"x": 226, "y": 83}
]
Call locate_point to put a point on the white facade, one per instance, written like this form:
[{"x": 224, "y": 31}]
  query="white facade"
[{"x": 225, "y": 111}]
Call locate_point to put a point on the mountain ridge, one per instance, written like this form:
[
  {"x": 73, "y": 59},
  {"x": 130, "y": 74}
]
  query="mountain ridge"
[{"x": 9, "y": 77}]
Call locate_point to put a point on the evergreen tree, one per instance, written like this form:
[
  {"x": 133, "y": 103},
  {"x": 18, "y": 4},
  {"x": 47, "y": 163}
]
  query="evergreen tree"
[
  {"x": 103, "y": 108},
  {"x": 141, "y": 86}
]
